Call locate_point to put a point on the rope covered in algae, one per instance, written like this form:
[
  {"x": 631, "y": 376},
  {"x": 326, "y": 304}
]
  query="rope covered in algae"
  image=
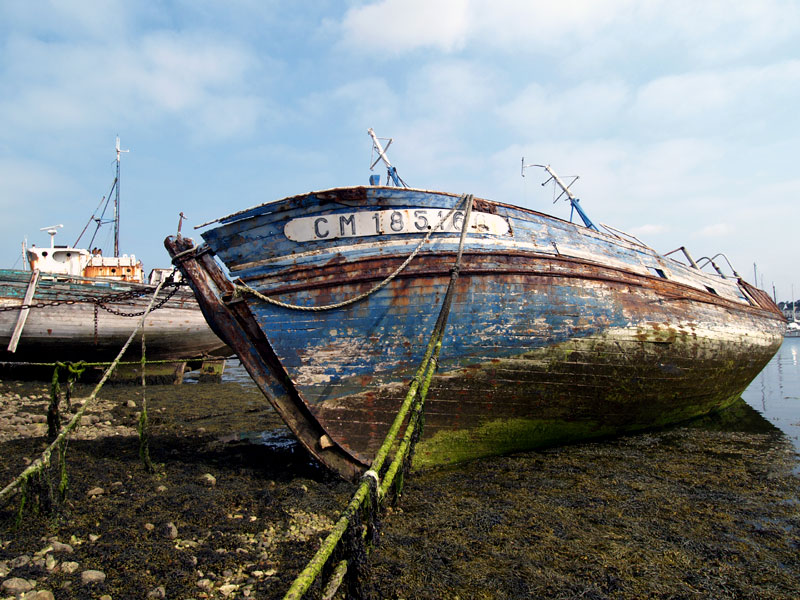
[
  {"x": 44, "y": 459},
  {"x": 414, "y": 400},
  {"x": 242, "y": 287}
]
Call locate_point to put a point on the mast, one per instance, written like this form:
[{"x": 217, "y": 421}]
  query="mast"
[{"x": 116, "y": 204}]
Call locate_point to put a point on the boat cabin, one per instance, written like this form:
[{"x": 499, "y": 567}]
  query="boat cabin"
[{"x": 79, "y": 262}]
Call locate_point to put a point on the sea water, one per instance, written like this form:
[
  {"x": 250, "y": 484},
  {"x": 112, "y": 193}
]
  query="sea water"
[{"x": 775, "y": 393}]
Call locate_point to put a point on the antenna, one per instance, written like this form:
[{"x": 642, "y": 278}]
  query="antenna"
[
  {"x": 575, "y": 202},
  {"x": 381, "y": 151},
  {"x": 52, "y": 230}
]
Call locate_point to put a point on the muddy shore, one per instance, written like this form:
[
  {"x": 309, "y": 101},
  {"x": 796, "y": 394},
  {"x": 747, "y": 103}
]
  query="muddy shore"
[{"x": 703, "y": 511}]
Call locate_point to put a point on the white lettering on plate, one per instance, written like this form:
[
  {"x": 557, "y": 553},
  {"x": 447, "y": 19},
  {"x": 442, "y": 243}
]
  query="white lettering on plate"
[{"x": 389, "y": 222}]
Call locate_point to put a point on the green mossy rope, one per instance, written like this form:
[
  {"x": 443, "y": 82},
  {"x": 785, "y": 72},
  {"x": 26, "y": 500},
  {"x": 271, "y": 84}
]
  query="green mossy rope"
[{"x": 414, "y": 400}]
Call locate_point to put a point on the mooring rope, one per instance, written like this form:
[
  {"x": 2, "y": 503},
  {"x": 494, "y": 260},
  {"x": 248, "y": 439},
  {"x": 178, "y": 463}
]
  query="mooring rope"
[
  {"x": 414, "y": 400},
  {"x": 242, "y": 288},
  {"x": 44, "y": 459}
]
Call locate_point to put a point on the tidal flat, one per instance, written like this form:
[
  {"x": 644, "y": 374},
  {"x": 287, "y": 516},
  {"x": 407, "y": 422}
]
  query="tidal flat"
[{"x": 235, "y": 508}]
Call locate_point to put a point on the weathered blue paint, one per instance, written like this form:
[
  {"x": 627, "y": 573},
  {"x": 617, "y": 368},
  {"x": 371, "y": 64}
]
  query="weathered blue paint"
[
  {"x": 556, "y": 326},
  {"x": 73, "y": 329}
]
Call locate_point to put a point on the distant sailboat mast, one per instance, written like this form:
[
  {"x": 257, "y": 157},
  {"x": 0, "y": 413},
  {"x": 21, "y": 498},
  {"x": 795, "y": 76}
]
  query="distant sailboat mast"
[{"x": 116, "y": 204}]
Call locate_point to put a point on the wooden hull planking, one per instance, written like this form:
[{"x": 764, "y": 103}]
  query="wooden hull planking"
[
  {"x": 66, "y": 331},
  {"x": 556, "y": 333}
]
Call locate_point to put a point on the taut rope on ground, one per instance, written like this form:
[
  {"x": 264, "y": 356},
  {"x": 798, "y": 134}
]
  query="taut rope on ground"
[
  {"x": 371, "y": 486},
  {"x": 44, "y": 459}
]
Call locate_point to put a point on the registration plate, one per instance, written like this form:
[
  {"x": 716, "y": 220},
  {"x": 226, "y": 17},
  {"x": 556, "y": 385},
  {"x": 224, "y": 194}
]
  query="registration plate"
[{"x": 390, "y": 222}]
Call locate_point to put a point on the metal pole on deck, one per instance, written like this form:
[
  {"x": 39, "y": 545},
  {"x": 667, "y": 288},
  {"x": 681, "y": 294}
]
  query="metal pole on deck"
[{"x": 116, "y": 204}]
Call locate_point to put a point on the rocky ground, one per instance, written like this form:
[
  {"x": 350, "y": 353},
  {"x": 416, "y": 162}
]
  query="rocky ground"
[{"x": 708, "y": 511}]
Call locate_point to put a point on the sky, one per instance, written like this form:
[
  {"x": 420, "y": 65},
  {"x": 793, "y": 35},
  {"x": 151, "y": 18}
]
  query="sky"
[{"x": 679, "y": 117}]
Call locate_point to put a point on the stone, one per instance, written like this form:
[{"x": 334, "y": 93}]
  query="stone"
[
  {"x": 130, "y": 404},
  {"x": 59, "y": 547},
  {"x": 16, "y": 586},
  {"x": 20, "y": 561},
  {"x": 39, "y": 595},
  {"x": 171, "y": 531},
  {"x": 69, "y": 567},
  {"x": 159, "y": 592},
  {"x": 95, "y": 491},
  {"x": 205, "y": 584},
  {"x": 227, "y": 589},
  {"x": 91, "y": 576},
  {"x": 149, "y": 526},
  {"x": 208, "y": 479},
  {"x": 50, "y": 562}
]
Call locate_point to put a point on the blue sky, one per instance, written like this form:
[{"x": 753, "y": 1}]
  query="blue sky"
[{"x": 681, "y": 117}]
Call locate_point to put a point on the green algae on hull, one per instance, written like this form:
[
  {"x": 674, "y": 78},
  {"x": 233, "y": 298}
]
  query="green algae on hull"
[
  {"x": 656, "y": 384},
  {"x": 499, "y": 436}
]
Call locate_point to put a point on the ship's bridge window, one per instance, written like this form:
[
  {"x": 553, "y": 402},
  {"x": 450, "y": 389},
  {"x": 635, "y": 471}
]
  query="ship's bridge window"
[
  {"x": 712, "y": 290},
  {"x": 657, "y": 272}
]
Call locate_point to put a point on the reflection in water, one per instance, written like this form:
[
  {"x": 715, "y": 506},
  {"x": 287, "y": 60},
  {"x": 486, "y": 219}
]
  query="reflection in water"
[{"x": 775, "y": 393}]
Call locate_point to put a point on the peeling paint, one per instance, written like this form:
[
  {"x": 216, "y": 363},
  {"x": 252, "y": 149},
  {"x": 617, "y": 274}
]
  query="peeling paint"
[{"x": 539, "y": 348}]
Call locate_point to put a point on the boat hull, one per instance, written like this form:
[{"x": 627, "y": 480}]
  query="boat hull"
[
  {"x": 68, "y": 325},
  {"x": 555, "y": 334}
]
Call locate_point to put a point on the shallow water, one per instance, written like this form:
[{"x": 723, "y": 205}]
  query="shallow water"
[{"x": 775, "y": 393}]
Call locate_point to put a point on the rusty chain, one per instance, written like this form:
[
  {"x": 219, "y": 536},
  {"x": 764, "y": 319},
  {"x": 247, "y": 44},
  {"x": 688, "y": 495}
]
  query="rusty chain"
[{"x": 101, "y": 301}]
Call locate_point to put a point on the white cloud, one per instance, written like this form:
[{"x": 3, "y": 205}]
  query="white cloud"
[
  {"x": 583, "y": 110},
  {"x": 704, "y": 100},
  {"x": 649, "y": 229},
  {"x": 71, "y": 85},
  {"x": 448, "y": 90},
  {"x": 401, "y": 25},
  {"x": 364, "y": 103},
  {"x": 715, "y": 230},
  {"x": 703, "y": 30}
]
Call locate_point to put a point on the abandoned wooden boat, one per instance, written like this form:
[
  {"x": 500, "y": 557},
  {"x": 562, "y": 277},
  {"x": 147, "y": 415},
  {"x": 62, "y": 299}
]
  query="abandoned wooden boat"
[
  {"x": 557, "y": 332},
  {"x": 79, "y": 305},
  {"x": 73, "y": 318}
]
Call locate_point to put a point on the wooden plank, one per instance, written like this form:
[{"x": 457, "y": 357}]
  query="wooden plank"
[{"x": 23, "y": 313}]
